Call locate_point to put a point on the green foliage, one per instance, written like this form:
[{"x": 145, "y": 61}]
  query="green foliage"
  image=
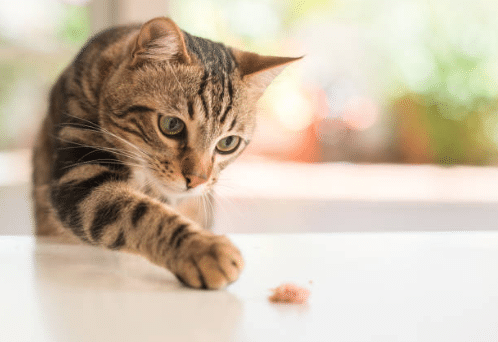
[
  {"x": 24, "y": 68},
  {"x": 454, "y": 80},
  {"x": 458, "y": 141},
  {"x": 296, "y": 10},
  {"x": 9, "y": 74},
  {"x": 75, "y": 27}
]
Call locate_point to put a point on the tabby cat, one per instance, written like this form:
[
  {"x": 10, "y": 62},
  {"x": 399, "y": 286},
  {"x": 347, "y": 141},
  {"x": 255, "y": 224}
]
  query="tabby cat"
[{"x": 140, "y": 125}]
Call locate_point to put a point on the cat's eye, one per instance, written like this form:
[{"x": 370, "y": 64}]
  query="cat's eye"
[
  {"x": 171, "y": 125},
  {"x": 228, "y": 144}
]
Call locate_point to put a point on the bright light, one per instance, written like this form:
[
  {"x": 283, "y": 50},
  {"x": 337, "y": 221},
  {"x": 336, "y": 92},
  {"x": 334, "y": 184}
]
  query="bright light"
[
  {"x": 253, "y": 18},
  {"x": 76, "y": 2},
  {"x": 360, "y": 113},
  {"x": 291, "y": 106},
  {"x": 30, "y": 22}
]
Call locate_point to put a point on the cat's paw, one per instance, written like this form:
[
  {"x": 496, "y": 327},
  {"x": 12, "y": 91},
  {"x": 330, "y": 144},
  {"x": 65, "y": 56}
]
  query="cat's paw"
[{"x": 209, "y": 262}]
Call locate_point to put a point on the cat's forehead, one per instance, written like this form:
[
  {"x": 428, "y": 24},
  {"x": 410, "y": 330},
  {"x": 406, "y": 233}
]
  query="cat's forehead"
[
  {"x": 178, "y": 81},
  {"x": 216, "y": 59},
  {"x": 173, "y": 84},
  {"x": 217, "y": 109}
]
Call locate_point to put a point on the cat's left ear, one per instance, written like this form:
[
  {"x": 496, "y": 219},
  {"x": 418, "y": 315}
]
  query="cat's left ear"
[
  {"x": 259, "y": 71},
  {"x": 160, "y": 39}
]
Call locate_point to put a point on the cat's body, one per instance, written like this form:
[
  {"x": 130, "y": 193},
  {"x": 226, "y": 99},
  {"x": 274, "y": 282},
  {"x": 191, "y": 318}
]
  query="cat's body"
[{"x": 139, "y": 126}]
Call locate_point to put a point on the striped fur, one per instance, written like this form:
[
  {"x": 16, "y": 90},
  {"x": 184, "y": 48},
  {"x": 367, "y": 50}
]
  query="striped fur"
[{"x": 105, "y": 174}]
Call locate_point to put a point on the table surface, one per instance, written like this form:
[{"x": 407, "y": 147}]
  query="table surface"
[{"x": 364, "y": 287}]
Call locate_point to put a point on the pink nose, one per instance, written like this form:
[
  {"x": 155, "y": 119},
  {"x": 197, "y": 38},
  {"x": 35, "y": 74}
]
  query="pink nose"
[{"x": 194, "y": 180}]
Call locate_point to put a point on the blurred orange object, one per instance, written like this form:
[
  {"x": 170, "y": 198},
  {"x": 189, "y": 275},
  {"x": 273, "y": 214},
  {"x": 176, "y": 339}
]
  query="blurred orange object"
[
  {"x": 289, "y": 293},
  {"x": 292, "y": 138}
]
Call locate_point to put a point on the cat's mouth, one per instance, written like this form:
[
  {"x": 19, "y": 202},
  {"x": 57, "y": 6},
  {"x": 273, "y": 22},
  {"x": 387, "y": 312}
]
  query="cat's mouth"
[
  {"x": 178, "y": 189},
  {"x": 171, "y": 189},
  {"x": 199, "y": 190},
  {"x": 170, "y": 192}
]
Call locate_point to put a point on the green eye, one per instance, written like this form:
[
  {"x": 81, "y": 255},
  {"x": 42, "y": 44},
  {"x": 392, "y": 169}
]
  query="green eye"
[
  {"x": 171, "y": 125},
  {"x": 228, "y": 144}
]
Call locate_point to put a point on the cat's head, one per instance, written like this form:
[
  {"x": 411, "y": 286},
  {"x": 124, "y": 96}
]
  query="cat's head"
[{"x": 183, "y": 106}]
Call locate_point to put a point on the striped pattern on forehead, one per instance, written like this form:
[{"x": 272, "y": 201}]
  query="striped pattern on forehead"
[
  {"x": 213, "y": 102},
  {"x": 215, "y": 89},
  {"x": 216, "y": 58}
]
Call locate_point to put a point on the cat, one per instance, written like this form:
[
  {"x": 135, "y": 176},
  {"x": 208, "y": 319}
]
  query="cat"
[{"x": 138, "y": 126}]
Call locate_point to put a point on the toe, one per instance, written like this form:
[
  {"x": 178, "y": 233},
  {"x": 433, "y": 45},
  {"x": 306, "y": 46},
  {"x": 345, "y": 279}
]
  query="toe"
[{"x": 214, "y": 275}]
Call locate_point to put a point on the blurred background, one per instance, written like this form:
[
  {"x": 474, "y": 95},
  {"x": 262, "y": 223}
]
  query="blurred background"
[{"x": 389, "y": 123}]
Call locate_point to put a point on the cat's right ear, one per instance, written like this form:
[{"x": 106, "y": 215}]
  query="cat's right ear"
[
  {"x": 160, "y": 39},
  {"x": 258, "y": 71}
]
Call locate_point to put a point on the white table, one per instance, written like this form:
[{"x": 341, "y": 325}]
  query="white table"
[{"x": 365, "y": 287}]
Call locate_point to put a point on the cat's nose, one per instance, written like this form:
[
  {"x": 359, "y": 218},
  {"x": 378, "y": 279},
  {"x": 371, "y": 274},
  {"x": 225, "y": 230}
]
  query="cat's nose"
[{"x": 194, "y": 180}]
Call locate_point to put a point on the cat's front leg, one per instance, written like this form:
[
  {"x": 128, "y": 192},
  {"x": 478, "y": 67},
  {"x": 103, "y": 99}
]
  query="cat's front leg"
[
  {"x": 102, "y": 210},
  {"x": 197, "y": 257}
]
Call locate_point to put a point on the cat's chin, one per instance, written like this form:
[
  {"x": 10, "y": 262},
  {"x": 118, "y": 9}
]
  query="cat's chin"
[
  {"x": 173, "y": 196},
  {"x": 197, "y": 191}
]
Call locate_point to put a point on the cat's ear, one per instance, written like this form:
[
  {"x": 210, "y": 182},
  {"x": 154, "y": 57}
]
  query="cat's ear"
[
  {"x": 259, "y": 71},
  {"x": 160, "y": 39}
]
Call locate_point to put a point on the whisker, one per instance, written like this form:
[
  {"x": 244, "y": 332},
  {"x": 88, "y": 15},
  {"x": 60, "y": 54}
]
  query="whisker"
[
  {"x": 107, "y": 161},
  {"x": 176, "y": 78},
  {"x": 105, "y": 131},
  {"x": 224, "y": 201},
  {"x": 128, "y": 154},
  {"x": 200, "y": 202},
  {"x": 206, "y": 209}
]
